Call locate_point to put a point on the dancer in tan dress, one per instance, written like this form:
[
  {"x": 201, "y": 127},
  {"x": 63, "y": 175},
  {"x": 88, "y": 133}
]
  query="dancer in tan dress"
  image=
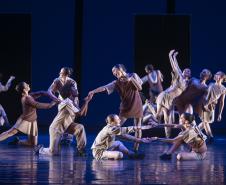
[
  {"x": 27, "y": 122},
  {"x": 215, "y": 93},
  {"x": 128, "y": 87},
  {"x": 178, "y": 85}
]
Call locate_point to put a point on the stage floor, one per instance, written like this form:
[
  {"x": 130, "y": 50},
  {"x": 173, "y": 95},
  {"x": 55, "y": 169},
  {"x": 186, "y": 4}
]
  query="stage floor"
[{"x": 18, "y": 165}]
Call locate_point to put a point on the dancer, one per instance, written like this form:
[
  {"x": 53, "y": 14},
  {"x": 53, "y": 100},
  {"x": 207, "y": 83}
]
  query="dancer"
[
  {"x": 64, "y": 123},
  {"x": 27, "y": 122},
  {"x": 55, "y": 88},
  {"x": 216, "y": 92},
  {"x": 105, "y": 146},
  {"x": 154, "y": 79},
  {"x": 3, "y": 117},
  {"x": 128, "y": 87},
  {"x": 192, "y": 136},
  {"x": 179, "y": 83},
  {"x": 192, "y": 95}
]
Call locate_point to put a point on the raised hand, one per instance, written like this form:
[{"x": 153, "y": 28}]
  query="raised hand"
[{"x": 171, "y": 52}]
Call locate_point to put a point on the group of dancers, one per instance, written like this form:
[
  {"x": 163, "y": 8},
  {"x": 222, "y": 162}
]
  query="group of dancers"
[{"x": 186, "y": 97}]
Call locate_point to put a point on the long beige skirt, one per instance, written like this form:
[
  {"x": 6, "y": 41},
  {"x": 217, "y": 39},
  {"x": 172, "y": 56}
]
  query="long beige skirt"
[{"x": 26, "y": 127}]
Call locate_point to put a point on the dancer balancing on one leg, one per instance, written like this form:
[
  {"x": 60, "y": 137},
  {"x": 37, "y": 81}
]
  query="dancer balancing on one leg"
[
  {"x": 27, "y": 122},
  {"x": 190, "y": 135},
  {"x": 3, "y": 117},
  {"x": 106, "y": 147},
  {"x": 178, "y": 85},
  {"x": 128, "y": 86},
  {"x": 64, "y": 123}
]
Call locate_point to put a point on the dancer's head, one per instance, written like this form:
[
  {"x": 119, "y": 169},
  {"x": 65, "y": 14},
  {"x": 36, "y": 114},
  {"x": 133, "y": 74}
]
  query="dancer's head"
[
  {"x": 68, "y": 90},
  {"x": 205, "y": 74},
  {"x": 22, "y": 88},
  {"x": 65, "y": 72},
  {"x": 186, "y": 119},
  {"x": 119, "y": 70},
  {"x": 149, "y": 68},
  {"x": 220, "y": 77},
  {"x": 113, "y": 119},
  {"x": 186, "y": 73}
]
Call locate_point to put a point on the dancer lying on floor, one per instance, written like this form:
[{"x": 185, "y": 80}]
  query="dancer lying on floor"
[
  {"x": 27, "y": 122},
  {"x": 192, "y": 136},
  {"x": 64, "y": 123},
  {"x": 105, "y": 146}
]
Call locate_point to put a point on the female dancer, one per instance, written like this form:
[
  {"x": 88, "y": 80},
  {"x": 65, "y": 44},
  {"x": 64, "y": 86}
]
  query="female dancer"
[
  {"x": 27, "y": 122},
  {"x": 3, "y": 117},
  {"x": 128, "y": 87},
  {"x": 192, "y": 136},
  {"x": 154, "y": 79},
  {"x": 216, "y": 92},
  {"x": 179, "y": 83}
]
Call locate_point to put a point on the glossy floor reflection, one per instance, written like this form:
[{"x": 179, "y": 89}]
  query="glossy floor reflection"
[{"x": 18, "y": 165}]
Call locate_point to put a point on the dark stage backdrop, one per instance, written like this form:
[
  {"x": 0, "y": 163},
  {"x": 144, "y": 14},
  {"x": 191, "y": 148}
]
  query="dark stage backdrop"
[
  {"x": 155, "y": 36},
  {"x": 15, "y": 58}
]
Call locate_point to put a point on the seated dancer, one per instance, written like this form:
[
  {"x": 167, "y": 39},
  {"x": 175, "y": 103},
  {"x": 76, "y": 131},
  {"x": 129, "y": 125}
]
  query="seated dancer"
[
  {"x": 192, "y": 136},
  {"x": 128, "y": 87},
  {"x": 154, "y": 79},
  {"x": 105, "y": 146},
  {"x": 64, "y": 123},
  {"x": 191, "y": 96},
  {"x": 27, "y": 122},
  {"x": 55, "y": 88},
  {"x": 3, "y": 117},
  {"x": 178, "y": 84},
  {"x": 216, "y": 92}
]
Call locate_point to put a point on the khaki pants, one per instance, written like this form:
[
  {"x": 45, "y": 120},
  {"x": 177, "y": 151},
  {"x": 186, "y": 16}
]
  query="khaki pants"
[{"x": 62, "y": 123}]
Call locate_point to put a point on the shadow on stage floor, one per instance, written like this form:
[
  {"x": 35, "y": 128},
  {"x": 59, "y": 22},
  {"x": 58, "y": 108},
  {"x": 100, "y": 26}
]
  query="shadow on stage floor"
[{"x": 18, "y": 165}]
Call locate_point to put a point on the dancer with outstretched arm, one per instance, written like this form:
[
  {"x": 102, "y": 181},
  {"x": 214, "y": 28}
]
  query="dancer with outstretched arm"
[
  {"x": 128, "y": 86},
  {"x": 27, "y": 122}
]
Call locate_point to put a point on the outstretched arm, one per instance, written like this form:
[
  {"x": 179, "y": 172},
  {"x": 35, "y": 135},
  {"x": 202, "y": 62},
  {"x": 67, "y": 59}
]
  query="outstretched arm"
[
  {"x": 38, "y": 94},
  {"x": 109, "y": 88},
  {"x": 138, "y": 140},
  {"x": 178, "y": 138},
  {"x": 173, "y": 62},
  {"x": 30, "y": 101}
]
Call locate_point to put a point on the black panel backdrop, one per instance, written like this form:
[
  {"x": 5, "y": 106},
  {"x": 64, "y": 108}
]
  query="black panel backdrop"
[
  {"x": 155, "y": 36},
  {"x": 15, "y": 58}
]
